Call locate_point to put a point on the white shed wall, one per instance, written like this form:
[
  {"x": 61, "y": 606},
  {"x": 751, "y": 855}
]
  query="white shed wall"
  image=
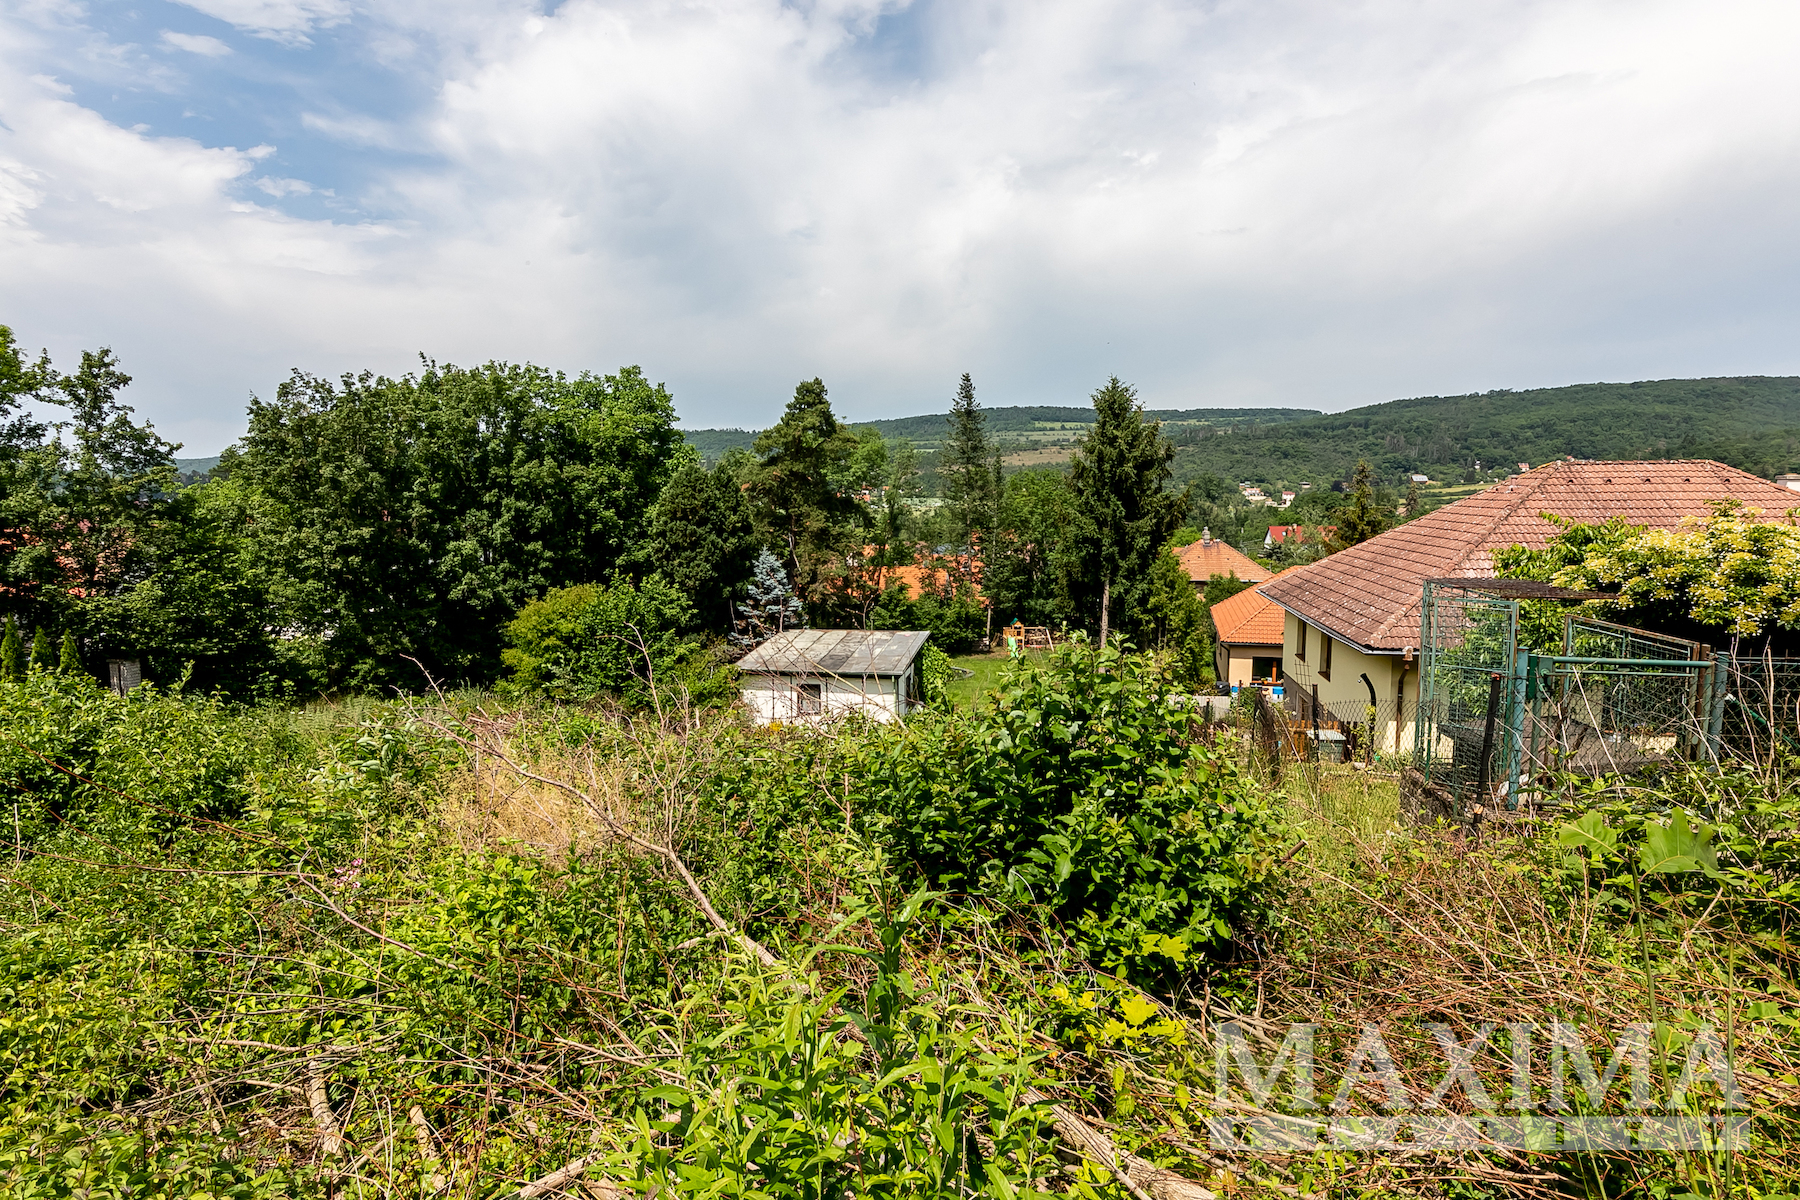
[{"x": 775, "y": 698}]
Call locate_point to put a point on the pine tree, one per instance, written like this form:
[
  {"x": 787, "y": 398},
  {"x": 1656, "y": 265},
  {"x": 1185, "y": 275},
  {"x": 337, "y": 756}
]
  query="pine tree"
[
  {"x": 1362, "y": 518},
  {"x": 968, "y": 467},
  {"x": 1124, "y": 515},
  {"x": 12, "y": 652},
  {"x": 69, "y": 661},
  {"x": 798, "y": 507},
  {"x": 40, "y": 651}
]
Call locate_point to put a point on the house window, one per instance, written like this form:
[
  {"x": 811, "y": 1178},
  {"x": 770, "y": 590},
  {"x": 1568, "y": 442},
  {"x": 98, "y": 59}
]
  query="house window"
[
  {"x": 1265, "y": 670},
  {"x": 1324, "y": 655},
  {"x": 810, "y": 699},
  {"x": 1300, "y": 646}
]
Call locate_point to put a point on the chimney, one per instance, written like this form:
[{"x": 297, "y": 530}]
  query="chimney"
[{"x": 1206, "y": 535}]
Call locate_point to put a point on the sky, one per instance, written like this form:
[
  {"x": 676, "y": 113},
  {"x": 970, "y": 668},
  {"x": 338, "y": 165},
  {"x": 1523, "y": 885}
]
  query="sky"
[{"x": 1299, "y": 203}]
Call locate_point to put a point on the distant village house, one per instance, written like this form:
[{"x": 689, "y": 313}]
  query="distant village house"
[{"x": 1209, "y": 557}]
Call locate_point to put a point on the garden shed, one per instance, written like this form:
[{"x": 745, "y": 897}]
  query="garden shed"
[{"x": 813, "y": 674}]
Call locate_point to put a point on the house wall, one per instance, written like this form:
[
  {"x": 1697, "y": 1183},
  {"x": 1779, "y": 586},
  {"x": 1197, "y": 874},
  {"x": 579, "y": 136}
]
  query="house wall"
[
  {"x": 775, "y": 698},
  {"x": 1343, "y": 694},
  {"x": 1233, "y": 663}
]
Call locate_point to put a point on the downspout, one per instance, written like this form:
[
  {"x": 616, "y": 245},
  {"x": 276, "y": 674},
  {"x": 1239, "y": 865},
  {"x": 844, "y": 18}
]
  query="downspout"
[{"x": 1370, "y": 684}]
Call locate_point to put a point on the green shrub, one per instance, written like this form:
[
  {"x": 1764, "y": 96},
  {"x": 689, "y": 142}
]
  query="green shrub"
[
  {"x": 1078, "y": 789},
  {"x": 625, "y": 640}
]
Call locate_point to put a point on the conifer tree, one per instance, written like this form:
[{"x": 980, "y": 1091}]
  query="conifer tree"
[
  {"x": 12, "y": 652},
  {"x": 40, "y": 651},
  {"x": 1362, "y": 518},
  {"x": 798, "y": 506},
  {"x": 969, "y": 466},
  {"x": 1123, "y": 514},
  {"x": 69, "y": 661}
]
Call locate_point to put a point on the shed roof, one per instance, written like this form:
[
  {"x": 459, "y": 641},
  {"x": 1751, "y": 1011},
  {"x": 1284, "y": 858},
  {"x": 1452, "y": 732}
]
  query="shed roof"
[
  {"x": 1370, "y": 594},
  {"x": 844, "y": 652},
  {"x": 1209, "y": 556},
  {"x": 1250, "y": 618}
]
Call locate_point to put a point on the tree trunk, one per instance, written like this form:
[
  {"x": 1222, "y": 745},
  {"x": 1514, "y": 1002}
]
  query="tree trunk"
[{"x": 1105, "y": 608}]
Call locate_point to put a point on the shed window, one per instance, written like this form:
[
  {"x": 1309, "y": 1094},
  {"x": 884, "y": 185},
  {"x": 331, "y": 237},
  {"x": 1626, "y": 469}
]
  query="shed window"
[{"x": 810, "y": 699}]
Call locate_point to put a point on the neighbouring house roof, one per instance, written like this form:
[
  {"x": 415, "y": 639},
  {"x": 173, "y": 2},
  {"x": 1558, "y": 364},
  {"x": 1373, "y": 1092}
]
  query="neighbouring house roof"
[
  {"x": 1209, "y": 556},
  {"x": 1279, "y": 534},
  {"x": 845, "y": 652},
  {"x": 931, "y": 578},
  {"x": 1370, "y": 594},
  {"x": 1250, "y": 618}
]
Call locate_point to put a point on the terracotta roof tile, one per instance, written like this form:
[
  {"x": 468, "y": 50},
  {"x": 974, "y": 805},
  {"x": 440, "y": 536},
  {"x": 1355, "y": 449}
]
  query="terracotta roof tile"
[
  {"x": 1370, "y": 594},
  {"x": 1202, "y": 560},
  {"x": 1250, "y": 618}
]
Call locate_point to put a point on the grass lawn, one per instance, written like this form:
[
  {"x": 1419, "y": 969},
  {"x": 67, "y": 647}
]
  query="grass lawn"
[{"x": 966, "y": 693}]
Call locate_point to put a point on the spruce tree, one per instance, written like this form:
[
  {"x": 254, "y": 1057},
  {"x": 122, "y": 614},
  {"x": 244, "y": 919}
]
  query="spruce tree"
[
  {"x": 40, "y": 651},
  {"x": 1123, "y": 513},
  {"x": 68, "y": 662},
  {"x": 968, "y": 467},
  {"x": 1362, "y": 518},
  {"x": 12, "y": 652}
]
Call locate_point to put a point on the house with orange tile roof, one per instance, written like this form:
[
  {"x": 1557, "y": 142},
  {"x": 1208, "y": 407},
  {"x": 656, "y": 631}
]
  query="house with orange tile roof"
[
  {"x": 1249, "y": 629},
  {"x": 1351, "y": 620},
  {"x": 1208, "y": 557}
]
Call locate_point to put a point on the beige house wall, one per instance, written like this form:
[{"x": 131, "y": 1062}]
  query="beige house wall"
[
  {"x": 1343, "y": 694},
  {"x": 1235, "y": 664}
]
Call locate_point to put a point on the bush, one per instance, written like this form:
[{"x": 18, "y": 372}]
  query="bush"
[
  {"x": 1078, "y": 789},
  {"x": 588, "y": 640}
]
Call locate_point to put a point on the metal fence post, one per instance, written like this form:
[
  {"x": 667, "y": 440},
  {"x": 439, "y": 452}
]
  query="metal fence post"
[{"x": 1487, "y": 737}]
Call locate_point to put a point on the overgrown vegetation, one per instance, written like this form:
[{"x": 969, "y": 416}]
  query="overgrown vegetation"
[{"x": 462, "y": 946}]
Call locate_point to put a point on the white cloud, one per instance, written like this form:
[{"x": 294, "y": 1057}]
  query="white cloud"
[
  {"x": 287, "y": 21},
  {"x": 284, "y": 187},
  {"x": 1280, "y": 202},
  {"x": 196, "y": 43}
]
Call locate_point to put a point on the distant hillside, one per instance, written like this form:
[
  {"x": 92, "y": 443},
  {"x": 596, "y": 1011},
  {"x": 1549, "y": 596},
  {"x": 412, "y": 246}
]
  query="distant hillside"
[
  {"x": 1752, "y": 423},
  {"x": 193, "y": 470},
  {"x": 1021, "y": 430}
]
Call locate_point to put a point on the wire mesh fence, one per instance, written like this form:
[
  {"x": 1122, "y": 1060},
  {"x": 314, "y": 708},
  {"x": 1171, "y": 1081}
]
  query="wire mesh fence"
[
  {"x": 1504, "y": 726},
  {"x": 1461, "y": 730},
  {"x": 1760, "y": 716}
]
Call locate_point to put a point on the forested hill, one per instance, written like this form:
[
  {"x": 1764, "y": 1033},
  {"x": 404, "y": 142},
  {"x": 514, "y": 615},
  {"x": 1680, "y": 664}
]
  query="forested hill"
[
  {"x": 1751, "y": 422},
  {"x": 1021, "y": 427}
]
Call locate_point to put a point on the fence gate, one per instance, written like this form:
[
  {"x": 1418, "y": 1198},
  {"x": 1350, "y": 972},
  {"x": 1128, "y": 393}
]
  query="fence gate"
[
  {"x": 1496, "y": 720},
  {"x": 1618, "y": 699},
  {"x": 1470, "y": 638}
]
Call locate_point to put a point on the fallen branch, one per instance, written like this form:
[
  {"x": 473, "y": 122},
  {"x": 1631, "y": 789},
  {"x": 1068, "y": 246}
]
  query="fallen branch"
[
  {"x": 1137, "y": 1175},
  {"x": 330, "y": 1138},
  {"x": 560, "y": 1179}
]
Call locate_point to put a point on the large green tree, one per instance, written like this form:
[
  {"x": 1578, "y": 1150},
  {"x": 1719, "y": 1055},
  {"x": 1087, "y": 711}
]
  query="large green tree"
[
  {"x": 801, "y": 507},
  {"x": 1124, "y": 513},
  {"x": 968, "y": 468},
  {"x": 410, "y": 518},
  {"x": 702, "y": 541},
  {"x": 1026, "y": 565}
]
